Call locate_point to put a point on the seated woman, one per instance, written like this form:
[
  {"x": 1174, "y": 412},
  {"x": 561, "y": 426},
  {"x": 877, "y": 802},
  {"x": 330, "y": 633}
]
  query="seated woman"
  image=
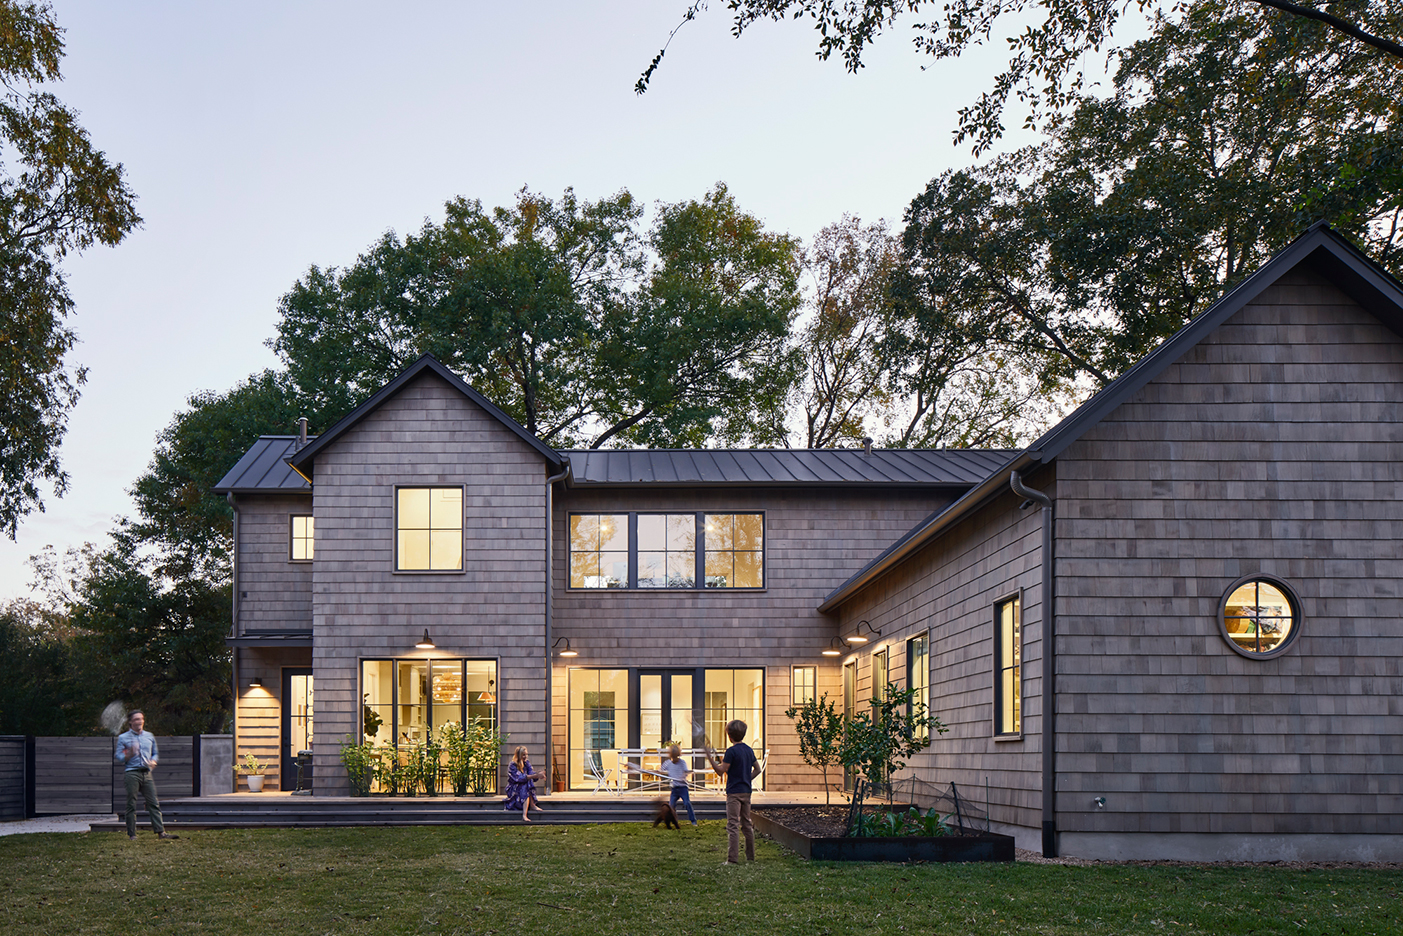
[{"x": 521, "y": 784}]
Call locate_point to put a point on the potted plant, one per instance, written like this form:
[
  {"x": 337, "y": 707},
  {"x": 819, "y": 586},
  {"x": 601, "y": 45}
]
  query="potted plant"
[
  {"x": 253, "y": 773},
  {"x": 360, "y": 765},
  {"x": 485, "y": 757},
  {"x": 454, "y": 740}
]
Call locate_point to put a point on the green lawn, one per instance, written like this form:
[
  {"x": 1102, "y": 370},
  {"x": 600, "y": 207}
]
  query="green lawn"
[{"x": 629, "y": 879}]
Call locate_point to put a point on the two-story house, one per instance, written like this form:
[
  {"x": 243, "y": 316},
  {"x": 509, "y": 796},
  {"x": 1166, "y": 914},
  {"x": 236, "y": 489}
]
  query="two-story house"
[{"x": 1218, "y": 530}]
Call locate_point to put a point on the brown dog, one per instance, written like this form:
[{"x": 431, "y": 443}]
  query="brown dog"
[{"x": 663, "y": 812}]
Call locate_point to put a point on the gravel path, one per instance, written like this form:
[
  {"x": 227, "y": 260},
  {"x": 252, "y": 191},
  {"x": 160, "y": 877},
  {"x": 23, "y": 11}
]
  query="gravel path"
[{"x": 53, "y": 824}]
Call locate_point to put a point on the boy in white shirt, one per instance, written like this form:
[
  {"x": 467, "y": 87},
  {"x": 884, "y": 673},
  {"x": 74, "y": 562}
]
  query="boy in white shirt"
[{"x": 676, "y": 769}]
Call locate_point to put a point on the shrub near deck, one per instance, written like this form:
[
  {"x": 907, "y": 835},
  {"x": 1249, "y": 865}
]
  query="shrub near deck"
[{"x": 632, "y": 879}]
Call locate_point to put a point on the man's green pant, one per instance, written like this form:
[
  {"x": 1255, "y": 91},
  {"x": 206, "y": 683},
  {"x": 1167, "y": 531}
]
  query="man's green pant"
[{"x": 141, "y": 780}]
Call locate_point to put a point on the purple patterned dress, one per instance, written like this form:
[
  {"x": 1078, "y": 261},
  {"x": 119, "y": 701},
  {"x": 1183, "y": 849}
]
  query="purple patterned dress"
[{"x": 520, "y": 786}]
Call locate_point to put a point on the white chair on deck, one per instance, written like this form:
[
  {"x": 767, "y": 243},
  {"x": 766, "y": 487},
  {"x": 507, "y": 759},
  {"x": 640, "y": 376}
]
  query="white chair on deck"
[{"x": 603, "y": 777}]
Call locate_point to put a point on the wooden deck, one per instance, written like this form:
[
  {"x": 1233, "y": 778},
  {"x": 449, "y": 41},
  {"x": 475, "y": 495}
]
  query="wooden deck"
[{"x": 285, "y": 810}]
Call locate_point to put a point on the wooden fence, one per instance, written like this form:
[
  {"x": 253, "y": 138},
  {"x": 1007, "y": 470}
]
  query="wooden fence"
[{"x": 47, "y": 776}]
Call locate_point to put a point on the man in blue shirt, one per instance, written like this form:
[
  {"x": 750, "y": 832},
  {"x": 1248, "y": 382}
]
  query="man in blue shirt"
[
  {"x": 136, "y": 751},
  {"x": 739, "y": 767}
]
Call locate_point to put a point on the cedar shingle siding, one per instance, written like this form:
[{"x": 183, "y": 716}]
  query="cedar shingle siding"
[{"x": 1267, "y": 437}]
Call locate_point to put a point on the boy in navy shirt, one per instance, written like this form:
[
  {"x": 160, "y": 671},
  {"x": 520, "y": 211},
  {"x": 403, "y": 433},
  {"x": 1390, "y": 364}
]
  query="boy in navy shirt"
[{"x": 739, "y": 767}]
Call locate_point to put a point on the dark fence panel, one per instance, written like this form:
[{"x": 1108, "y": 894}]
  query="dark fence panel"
[
  {"x": 13, "y": 785},
  {"x": 72, "y": 775}
]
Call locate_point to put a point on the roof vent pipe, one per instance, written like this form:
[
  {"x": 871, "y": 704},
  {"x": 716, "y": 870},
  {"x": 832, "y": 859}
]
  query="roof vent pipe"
[
  {"x": 867, "y": 445},
  {"x": 301, "y": 431}
]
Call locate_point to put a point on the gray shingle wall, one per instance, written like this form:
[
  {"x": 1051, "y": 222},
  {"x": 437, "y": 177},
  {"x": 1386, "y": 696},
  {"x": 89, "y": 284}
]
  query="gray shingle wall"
[
  {"x": 948, "y": 589},
  {"x": 428, "y": 434},
  {"x": 1275, "y": 446},
  {"x": 814, "y": 539},
  {"x": 275, "y": 593}
]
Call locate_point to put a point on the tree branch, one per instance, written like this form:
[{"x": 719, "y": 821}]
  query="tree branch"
[{"x": 1344, "y": 26}]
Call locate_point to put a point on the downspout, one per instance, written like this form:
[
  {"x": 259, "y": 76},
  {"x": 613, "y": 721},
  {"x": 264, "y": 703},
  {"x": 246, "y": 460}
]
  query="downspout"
[
  {"x": 1049, "y": 710},
  {"x": 550, "y": 578},
  {"x": 234, "y": 622}
]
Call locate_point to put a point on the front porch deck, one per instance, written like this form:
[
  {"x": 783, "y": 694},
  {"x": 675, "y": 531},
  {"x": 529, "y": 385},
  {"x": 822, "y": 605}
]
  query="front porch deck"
[{"x": 286, "y": 810}]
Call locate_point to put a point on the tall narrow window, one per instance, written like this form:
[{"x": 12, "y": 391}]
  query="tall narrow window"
[
  {"x": 599, "y": 550},
  {"x": 301, "y": 538},
  {"x": 1008, "y": 675},
  {"x": 805, "y": 684},
  {"x": 735, "y": 550},
  {"x": 429, "y": 527},
  {"x": 880, "y": 675},
  {"x": 918, "y": 680}
]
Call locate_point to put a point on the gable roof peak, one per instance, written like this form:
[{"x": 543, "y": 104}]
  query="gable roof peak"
[{"x": 305, "y": 458}]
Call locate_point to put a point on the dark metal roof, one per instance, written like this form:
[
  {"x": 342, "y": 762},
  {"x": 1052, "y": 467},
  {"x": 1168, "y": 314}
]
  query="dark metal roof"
[
  {"x": 1320, "y": 249},
  {"x": 781, "y": 467},
  {"x": 264, "y": 469}
]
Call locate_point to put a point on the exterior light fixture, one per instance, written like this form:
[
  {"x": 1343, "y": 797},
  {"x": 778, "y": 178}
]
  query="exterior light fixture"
[
  {"x": 426, "y": 642},
  {"x": 835, "y": 648},
  {"x": 567, "y": 652},
  {"x": 255, "y": 683},
  {"x": 856, "y": 636}
]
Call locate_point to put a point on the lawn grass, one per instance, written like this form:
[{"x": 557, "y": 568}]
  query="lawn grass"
[{"x": 611, "y": 879}]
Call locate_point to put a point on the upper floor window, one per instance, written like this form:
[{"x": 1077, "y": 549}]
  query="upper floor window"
[
  {"x": 667, "y": 550},
  {"x": 429, "y": 529},
  {"x": 1008, "y": 669},
  {"x": 1259, "y": 616},
  {"x": 302, "y": 538}
]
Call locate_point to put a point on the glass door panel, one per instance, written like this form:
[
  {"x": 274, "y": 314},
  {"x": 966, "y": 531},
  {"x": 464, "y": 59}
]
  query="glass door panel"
[
  {"x": 377, "y": 701},
  {"x": 599, "y": 725},
  {"x": 411, "y": 702},
  {"x": 297, "y": 726}
]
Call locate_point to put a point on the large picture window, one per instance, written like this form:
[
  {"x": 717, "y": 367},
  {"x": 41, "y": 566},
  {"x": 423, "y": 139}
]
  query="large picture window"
[
  {"x": 667, "y": 550},
  {"x": 1008, "y": 670},
  {"x": 404, "y": 702},
  {"x": 918, "y": 679},
  {"x": 429, "y": 529},
  {"x": 620, "y": 719}
]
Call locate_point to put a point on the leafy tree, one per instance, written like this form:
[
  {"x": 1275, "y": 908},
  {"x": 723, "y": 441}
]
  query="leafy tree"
[
  {"x": 1046, "y": 59},
  {"x": 1224, "y": 138},
  {"x": 579, "y": 326},
  {"x": 876, "y": 743},
  {"x": 57, "y": 194},
  {"x": 40, "y": 694},
  {"x": 159, "y": 648},
  {"x": 819, "y": 727}
]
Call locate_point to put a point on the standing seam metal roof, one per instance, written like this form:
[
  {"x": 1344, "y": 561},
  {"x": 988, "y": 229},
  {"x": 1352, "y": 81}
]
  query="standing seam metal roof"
[
  {"x": 770, "y": 467},
  {"x": 264, "y": 470}
]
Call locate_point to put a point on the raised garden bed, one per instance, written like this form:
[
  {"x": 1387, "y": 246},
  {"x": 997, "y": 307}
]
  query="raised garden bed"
[{"x": 817, "y": 832}]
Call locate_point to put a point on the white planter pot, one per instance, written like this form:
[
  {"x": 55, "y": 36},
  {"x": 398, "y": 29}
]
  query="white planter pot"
[{"x": 255, "y": 783}]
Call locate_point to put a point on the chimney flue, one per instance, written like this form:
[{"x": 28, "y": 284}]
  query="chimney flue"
[
  {"x": 867, "y": 445},
  {"x": 301, "y": 431}
]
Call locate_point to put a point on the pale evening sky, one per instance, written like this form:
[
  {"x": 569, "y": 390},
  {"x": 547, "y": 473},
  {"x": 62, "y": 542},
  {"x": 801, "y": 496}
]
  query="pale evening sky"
[{"x": 262, "y": 138}]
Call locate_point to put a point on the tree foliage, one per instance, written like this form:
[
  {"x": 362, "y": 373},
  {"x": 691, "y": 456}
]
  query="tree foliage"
[
  {"x": 877, "y": 743},
  {"x": 1225, "y": 137},
  {"x": 583, "y": 328},
  {"x": 57, "y": 194},
  {"x": 819, "y": 728},
  {"x": 1046, "y": 57}
]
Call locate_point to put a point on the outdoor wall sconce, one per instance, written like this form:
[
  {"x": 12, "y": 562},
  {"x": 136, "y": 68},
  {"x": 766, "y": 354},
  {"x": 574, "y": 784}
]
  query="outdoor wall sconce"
[
  {"x": 255, "y": 683},
  {"x": 426, "y": 642},
  {"x": 835, "y": 648},
  {"x": 856, "y": 636},
  {"x": 567, "y": 652}
]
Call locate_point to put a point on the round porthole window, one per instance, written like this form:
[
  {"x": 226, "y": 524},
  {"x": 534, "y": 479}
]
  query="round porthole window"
[{"x": 1259, "y": 616}]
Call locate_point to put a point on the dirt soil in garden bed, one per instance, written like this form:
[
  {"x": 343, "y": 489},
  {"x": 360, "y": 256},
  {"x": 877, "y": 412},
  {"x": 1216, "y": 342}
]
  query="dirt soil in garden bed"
[{"x": 816, "y": 821}]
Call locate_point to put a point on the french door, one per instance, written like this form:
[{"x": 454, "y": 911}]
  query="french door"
[{"x": 297, "y": 725}]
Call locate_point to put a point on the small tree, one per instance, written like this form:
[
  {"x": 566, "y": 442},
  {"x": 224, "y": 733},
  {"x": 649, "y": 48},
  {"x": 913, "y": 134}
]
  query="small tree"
[
  {"x": 820, "y": 731},
  {"x": 877, "y": 743}
]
